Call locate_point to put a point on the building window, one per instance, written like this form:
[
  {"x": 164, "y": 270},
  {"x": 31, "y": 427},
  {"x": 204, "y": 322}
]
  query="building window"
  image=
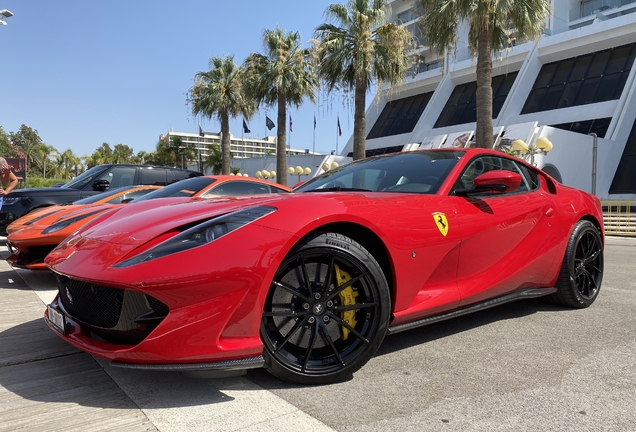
[
  {"x": 380, "y": 151},
  {"x": 400, "y": 116},
  {"x": 598, "y": 126},
  {"x": 624, "y": 180},
  {"x": 462, "y": 104},
  {"x": 591, "y": 78}
]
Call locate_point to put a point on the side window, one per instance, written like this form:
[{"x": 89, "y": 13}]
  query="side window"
[
  {"x": 130, "y": 195},
  {"x": 483, "y": 164},
  {"x": 238, "y": 188},
  {"x": 153, "y": 176},
  {"x": 176, "y": 175},
  {"x": 119, "y": 176},
  {"x": 274, "y": 189}
]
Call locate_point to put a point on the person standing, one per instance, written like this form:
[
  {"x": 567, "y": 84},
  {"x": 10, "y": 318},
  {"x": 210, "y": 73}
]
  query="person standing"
[{"x": 8, "y": 180}]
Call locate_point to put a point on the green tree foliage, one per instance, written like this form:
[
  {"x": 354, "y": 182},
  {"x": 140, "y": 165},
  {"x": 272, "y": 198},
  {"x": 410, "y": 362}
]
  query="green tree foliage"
[
  {"x": 283, "y": 76},
  {"x": 214, "y": 159},
  {"x": 490, "y": 24},
  {"x": 220, "y": 93},
  {"x": 27, "y": 140},
  {"x": 355, "y": 48}
]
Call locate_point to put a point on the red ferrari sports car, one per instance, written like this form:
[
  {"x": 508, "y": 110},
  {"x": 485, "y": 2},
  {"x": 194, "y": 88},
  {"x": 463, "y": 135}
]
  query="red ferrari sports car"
[
  {"x": 308, "y": 284},
  {"x": 30, "y": 241}
]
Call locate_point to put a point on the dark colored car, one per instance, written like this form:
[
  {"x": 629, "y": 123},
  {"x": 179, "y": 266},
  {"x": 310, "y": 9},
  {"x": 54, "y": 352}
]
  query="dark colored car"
[{"x": 96, "y": 180}]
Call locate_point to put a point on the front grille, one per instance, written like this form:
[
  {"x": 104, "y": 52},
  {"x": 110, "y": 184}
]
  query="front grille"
[{"x": 117, "y": 315}]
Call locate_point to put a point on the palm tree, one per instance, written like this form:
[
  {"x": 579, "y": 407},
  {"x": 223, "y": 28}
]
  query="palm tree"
[
  {"x": 490, "y": 23},
  {"x": 66, "y": 161},
  {"x": 283, "y": 76},
  {"x": 220, "y": 93},
  {"x": 42, "y": 156},
  {"x": 214, "y": 159},
  {"x": 359, "y": 50}
]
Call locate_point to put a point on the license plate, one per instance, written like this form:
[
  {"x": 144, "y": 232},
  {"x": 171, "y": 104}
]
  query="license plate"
[{"x": 57, "y": 319}]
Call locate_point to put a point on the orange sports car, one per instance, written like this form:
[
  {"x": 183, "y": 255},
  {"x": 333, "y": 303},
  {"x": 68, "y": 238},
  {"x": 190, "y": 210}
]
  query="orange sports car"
[
  {"x": 114, "y": 196},
  {"x": 39, "y": 235}
]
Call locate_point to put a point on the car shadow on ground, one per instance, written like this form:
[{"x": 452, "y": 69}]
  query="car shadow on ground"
[{"x": 429, "y": 333}]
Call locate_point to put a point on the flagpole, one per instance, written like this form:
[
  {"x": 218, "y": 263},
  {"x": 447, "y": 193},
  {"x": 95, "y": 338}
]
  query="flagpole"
[{"x": 313, "y": 148}]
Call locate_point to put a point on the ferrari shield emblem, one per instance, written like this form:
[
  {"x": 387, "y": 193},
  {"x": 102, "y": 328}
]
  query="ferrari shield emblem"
[{"x": 441, "y": 222}]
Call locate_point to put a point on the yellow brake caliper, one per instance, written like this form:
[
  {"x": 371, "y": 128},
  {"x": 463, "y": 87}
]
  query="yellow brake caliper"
[{"x": 347, "y": 297}]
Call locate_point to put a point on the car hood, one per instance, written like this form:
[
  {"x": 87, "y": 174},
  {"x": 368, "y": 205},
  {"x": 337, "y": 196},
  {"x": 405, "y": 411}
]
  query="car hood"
[{"x": 136, "y": 224}]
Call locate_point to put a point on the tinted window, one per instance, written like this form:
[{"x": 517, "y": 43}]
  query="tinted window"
[
  {"x": 85, "y": 178},
  {"x": 461, "y": 105},
  {"x": 238, "y": 187},
  {"x": 119, "y": 176},
  {"x": 99, "y": 197},
  {"x": 130, "y": 196},
  {"x": 411, "y": 172},
  {"x": 591, "y": 78},
  {"x": 400, "y": 116},
  {"x": 176, "y": 175},
  {"x": 483, "y": 164},
  {"x": 154, "y": 176},
  {"x": 184, "y": 188}
]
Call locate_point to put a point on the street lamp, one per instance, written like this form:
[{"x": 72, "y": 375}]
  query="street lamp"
[
  {"x": 299, "y": 171},
  {"x": 264, "y": 174},
  {"x": 5, "y": 13},
  {"x": 541, "y": 146},
  {"x": 327, "y": 167}
]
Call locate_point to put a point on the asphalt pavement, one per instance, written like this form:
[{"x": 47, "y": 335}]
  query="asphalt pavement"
[{"x": 524, "y": 366}]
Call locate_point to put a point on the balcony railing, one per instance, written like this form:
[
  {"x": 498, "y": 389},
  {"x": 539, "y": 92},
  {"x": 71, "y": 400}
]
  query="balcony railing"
[{"x": 591, "y": 7}]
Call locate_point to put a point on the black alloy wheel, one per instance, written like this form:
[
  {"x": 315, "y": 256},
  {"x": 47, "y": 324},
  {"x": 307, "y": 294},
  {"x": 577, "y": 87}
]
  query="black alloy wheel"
[
  {"x": 582, "y": 269},
  {"x": 326, "y": 313}
]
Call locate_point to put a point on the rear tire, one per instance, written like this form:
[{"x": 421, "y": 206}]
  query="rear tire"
[
  {"x": 582, "y": 270},
  {"x": 326, "y": 313}
]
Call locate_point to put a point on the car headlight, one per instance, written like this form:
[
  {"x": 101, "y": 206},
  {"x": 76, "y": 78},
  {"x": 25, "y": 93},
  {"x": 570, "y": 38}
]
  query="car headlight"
[
  {"x": 66, "y": 222},
  {"x": 10, "y": 200},
  {"x": 201, "y": 234}
]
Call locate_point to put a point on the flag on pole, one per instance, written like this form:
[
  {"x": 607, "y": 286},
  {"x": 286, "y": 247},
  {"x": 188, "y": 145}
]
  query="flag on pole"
[
  {"x": 314, "y": 121},
  {"x": 269, "y": 123},
  {"x": 339, "y": 130},
  {"x": 201, "y": 131},
  {"x": 245, "y": 128},
  {"x": 290, "y": 124}
]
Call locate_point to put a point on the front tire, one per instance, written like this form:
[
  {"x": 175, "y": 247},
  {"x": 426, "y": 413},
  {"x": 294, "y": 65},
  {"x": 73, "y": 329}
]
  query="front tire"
[
  {"x": 582, "y": 270},
  {"x": 327, "y": 311}
]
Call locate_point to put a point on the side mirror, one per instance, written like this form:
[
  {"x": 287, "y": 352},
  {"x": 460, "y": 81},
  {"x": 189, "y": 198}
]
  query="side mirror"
[
  {"x": 101, "y": 185},
  {"x": 493, "y": 181}
]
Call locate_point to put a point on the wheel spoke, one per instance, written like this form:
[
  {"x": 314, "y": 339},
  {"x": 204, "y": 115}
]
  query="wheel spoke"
[
  {"x": 345, "y": 285},
  {"x": 356, "y": 306},
  {"x": 327, "y": 336},
  {"x": 291, "y": 289},
  {"x": 287, "y": 313},
  {"x": 329, "y": 274},
  {"x": 292, "y": 332},
  {"x": 306, "y": 276},
  {"x": 310, "y": 346},
  {"x": 351, "y": 329}
]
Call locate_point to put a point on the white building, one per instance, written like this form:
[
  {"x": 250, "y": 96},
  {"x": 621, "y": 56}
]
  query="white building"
[
  {"x": 240, "y": 147},
  {"x": 578, "y": 79}
]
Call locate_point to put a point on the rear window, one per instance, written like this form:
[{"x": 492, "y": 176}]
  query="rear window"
[{"x": 184, "y": 188}]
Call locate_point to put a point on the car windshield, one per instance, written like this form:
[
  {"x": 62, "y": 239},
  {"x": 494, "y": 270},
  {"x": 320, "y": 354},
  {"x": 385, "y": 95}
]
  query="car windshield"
[
  {"x": 85, "y": 178},
  {"x": 182, "y": 188},
  {"x": 411, "y": 172}
]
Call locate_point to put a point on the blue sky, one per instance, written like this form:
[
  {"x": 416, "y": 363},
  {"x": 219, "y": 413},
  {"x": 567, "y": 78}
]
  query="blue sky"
[{"x": 84, "y": 72}]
